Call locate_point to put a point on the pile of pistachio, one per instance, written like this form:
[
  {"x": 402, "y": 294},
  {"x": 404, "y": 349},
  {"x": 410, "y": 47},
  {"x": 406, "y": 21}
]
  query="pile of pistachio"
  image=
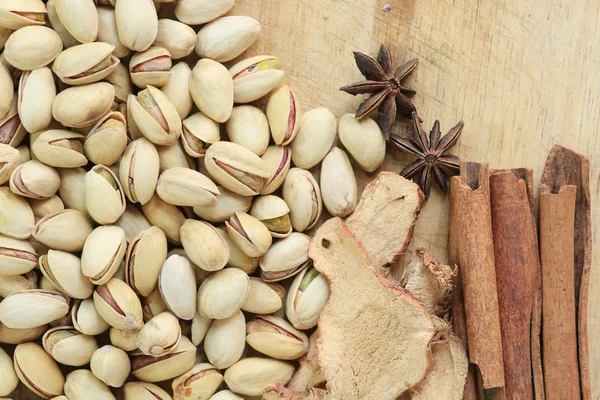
[{"x": 152, "y": 226}]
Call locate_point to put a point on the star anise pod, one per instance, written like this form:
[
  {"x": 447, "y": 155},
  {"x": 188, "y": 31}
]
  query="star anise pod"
[
  {"x": 430, "y": 151},
  {"x": 389, "y": 94}
]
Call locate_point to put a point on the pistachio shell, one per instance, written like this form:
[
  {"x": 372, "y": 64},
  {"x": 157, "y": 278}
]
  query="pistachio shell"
[
  {"x": 276, "y": 338},
  {"x": 228, "y": 203},
  {"x": 225, "y": 340},
  {"x": 118, "y": 305},
  {"x": 249, "y": 234},
  {"x": 80, "y": 18},
  {"x": 34, "y": 180},
  {"x": 9, "y": 380},
  {"x": 32, "y": 47},
  {"x": 251, "y": 375},
  {"x": 153, "y": 304},
  {"x": 17, "y": 336},
  {"x": 237, "y": 258},
  {"x": 185, "y": 187},
  {"x": 38, "y": 371},
  {"x": 363, "y": 140},
  {"x": 225, "y": 395},
  {"x": 72, "y": 188},
  {"x": 165, "y": 216},
  {"x": 306, "y": 298},
  {"x": 6, "y": 88},
  {"x": 137, "y": 23},
  {"x": 285, "y": 258},
  {"x": 11, "y": 13},
  {"x": 133, "y": 221},
  {"x": 179, "y": 39},
  {"x": 83, "y": 385},
  {"x": 124, "y": 340},
  {"x": 13, "y": 131},
  {"x": 197, "y": 12},
  {"x": 144, "y": 391},
  {"x": 16, "y": 256},
  {"x": 16, "y": 216},
  {"x": 338, "y": 183},
  {"x": 60, "y": 148},
  {"x": 85, "y": 63},
  {"x": 68, "y": 346},
  {"x": 104, "y": 197},
  {"x": 103, "y": 252},
  {"x": 64, "y": 271},
  {"x": 156, "y": 369},
  {"x": 160, "y": 335},
  {"x": 211, "y": 87},
  {"x": 107, "y": 140},
  {"x": 36, "y": 95},
  {"x": 316, "y": 134},
  {"x": 150, "y": 67},
  {"x": 200, "y": 382},
  {"x": 273, "y": 212},
  {"x": 86, "y": 319},
  {"x": 155, "y": 116},
  {"x": 138, "y": 170},
  {"x": 145, "y": 257},
  {"x": 248, "y": 127},
  {"x": 177, "y": 284},
  {"x": 199, "y": 328},
  {"x": 5, "y": 33},
  {"x": 110, "y": 365},
  {"x": 302, "y": 194},
  {"x": 31, "y": 308},
  {"x": 283, "y": 111},
  {"x": 24, "y": 153},
  {"x": 121, "y": 81},
  {"x": 67, "y": 39},
  {"x": 263, "y": 297},
  {"x": 64, "y": 230},
  {"x": 203, "y": 244},
  {"x": 10, "y": 159},
  {"x": 254, "y": 77},
  {"x": 278, "y": 161},
  {"x": 81, "y": 106},
  {"x": 226, "y": 38},
  {"x": 174, "y": 156},
  {"x": 107, "y": 31},
  {"x": 222, "y": 294},
  {"x": 177, "y": 89},
  {"x": 10, "y": 284},
  {"x": 198, "y": 133}
]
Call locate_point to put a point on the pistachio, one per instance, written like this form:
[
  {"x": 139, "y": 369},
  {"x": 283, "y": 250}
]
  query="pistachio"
[
  {"x": 137, "y": 23},
  {"x": 32, "y": 308},
  {"x": 12, "y": 131},
  {"x": 160, "y": 335},
  {"x": 174, "y": 156},
  {"x": 177, "y": 284},
  {"x": 251, "y": 375},
  {"x": 226, "y": 38},
  {"x": 16, "y": 256},
  {"x": 211, "y": 87},
  {"x": 108, "y": 33},
  {"x": 17, "y": 336},
  {"x": 285, "y": 258},
  {"x": 225, "y": 395},
  {"x": 24, "y": 153},
  {"x": 302, "y": 194},
  {"x": 179, "y": 39},
  {"x": 16, "y": 14},
  {"x": 83, "y": 385},
  {"x": 104, "y": 197},
  {"x": 222, "y": 294},
  {"x": 144, "y": 391},
  {"x": 133, "y": 221},
  {"x": 185, "y": 187},
  {"x": 35, "y": 97},
  {"x": 199, "y": 328},
  {"x": 42, "y": 44},
  {"x": 68, "y": 346},
  {"x": 145, "y": 257},
  {"x": 10, "y": 284},
  {"x": 150, "y": 67},
  {"x": 155, "y": 116},
  {"x": 80, "y": 18},
  {"x": 153, "y": 304},
  {"x": 6, "y": 88},
  {"x": 156, "y": 369},
  {"x": 111, "y": 365},
  {"x": 67, "y": 39},
  {"x": 118, "y": 305},
  {"x": 225, "y": 340},
  {"x": 9, "y": 160},
  {"x": 198, "y": 133},
  {"x": 103, "y": 252},
  {"x": 165, "y": 216},
  {"x": 278, "y": 161},
  {"x": 5, "y": 33},
  {"x": 228, "y": 203},
  {"x": 85, "y": 63},
  {"x": 237, "y": 258},
  {"x": 199, "y": 383},
  {"x": 62, "y": 321},
  {"x": 81, "y": 106},
  {"x": 46, "y": 284},
  {"x": 263, "y": 297},
  {"x": 363, "y": 140},
  {"x": 64, "y": 230},
  {"x": 276, "y": 338},
  {"x": 34, "y": 180},
  {"x": 283, "y": 112},
  {"x": 38, "y": 371},
  {"x": 13, "y": 71},
  {"x": 43, "y": 207},
  {"x": 107, "y": 140},
  {"x": 248, "y": 127},
  {"x": 16, "y": 216},
  {"x": 124, "y": 340},
  {"x": 316, "y": 134},
  {"x": 86, "y": 319},
  {"x": 64, "y": 271},
  {"x": 254, "y": 77},
  {"x": 121, "y": 81},
  {"x": 10, "y": 380},
  {"x": 203, "y": 244},
  {"x": 72, "y": 188},
  {"x": 249, "y": 234},
  {"x": 60, "y": 148},
  {"x": 338, "y": 183},
  {"x": 306, "y": 298},
  {"x": 138, "y": 171},
  {"x": 176, "y": 89},
  {"x": 273, "y": 212},
  {"x": 198, "y": 12}
]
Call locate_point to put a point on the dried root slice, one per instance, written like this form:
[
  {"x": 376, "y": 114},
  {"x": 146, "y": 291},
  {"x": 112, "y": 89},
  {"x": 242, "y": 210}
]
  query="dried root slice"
[
  {"x": 309, "y": 374},
  {"x": 429, "y": 282},
  {"x": 279, "y": 392},
  {"x": 389, "y": 204},
  {"x": 374, "y": 344}
]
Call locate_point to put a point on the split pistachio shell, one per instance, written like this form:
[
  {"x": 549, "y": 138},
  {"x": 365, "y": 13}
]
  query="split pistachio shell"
[
  {"x": 203, "y": 244},
  {"x": 263, "y": 298},
  {"x": 16, "y": 256},
  {"x": 316, "y": 134},
  {"x": 301, "y": 192},
  {"x": 104, "y": 197},
  {"x": 86, "y": 319},
  {"x": 137, "y": 23},
  {"x": 174, "y": 156},
  {"x": 124, "y": 340},
  {"x": 46, "y": 284},
  {"x": 155, "y": 116},
  {"x": 118, "y": 305},
  {"x": 285, "y": 258},
  {"x": 31, "y": 308},
  {"x": 10, "y": 159},
  {"x": 17, "y": 336},
  {"x": 222, "y": 294},
  {"x": 251, "y": 375},
  {"x": 156, "y": 369},
  {"x": 197, "y": 12},
  {"x": 249, "y": 234},
  {"x": 237, "y": 258},
  {"x": 85, "y": 63},
  {"x": 121, "y": 81},
  {"x": 12, "y": 131},
  {"x": 64, "y": 230},
  {"x": 363, "y": 140},
  {"x": 177, "y": 89},
  {"x": 254, "y": 77},
  {"x": 6, "y": 88},
  {"x": 64, "y": 271},
  {"x": 56, "y": 24},
  {"x": 60, "y": 148},
  {"x": 306, "y": 298},
  {"x": 276, "y": 338},
  {"x": 107, "y": 31},
  {"x": 160, "y": 335},
  {"x": 226, "y": 38},
  {"x": 153, "y": 304},
  {"x": 16, "y": 216},
  {"x": 38, "y": 371},
  {"x": 165, "y": 216},
  {"x": 278, "y": 161},
  {"x": 145, "y": 257},
  {"x": 36, "y": 95},
  {"x": 199, "y": 132},
  {"x": 273, "y": 212},
  {"x": 228, "y": 203},
  {"x": 283, "y": 112},
  {"x": 144, "y": 391},
  {"x": 211, "y": 87},
  {"x": 9, "y": 380},
  {"x": 179, "y": 39},
  {"x": 199, "y": 328},
  {"x": 103, "y": 252},
  {"x": 248, "y": 126},
  {"x": 72, "y": 188},
  {"x": 80, "y": 18},
  {"x": 150, "y": 67},
  {"x": 338, "y": 183},
  {"x": 133, "y": 221},
  {"x": 225, "y": 395},
  {"x": 16, "y": 14},
  {"x": 199, "y": 383},
  {"x": 177, "y": 284},
  {"x": 83, "y": 385},
  {"x": 236, "y": 168},
  {"x": 68, "y": 346},
  {"x": 10, "y": 284},
  {"x": 111, "y": 365},
  {"x": 32, "y": 47},
  {"x": 225, "y": 340},
  {"x": 138, "y": 170},
  {"x": 81, "y": 106},
  {"x": 186, "y": 187},
  {"x": 34, "y": 180},
  {"x": 107, "y": 140}
]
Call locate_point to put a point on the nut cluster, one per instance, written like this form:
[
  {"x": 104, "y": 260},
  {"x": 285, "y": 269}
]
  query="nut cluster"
[{"x": 125, "y": 213}]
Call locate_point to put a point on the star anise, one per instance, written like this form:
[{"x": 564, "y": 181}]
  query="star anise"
[
  {"x": 430, "y": 151},
  {"x": 389, "y": 94}
]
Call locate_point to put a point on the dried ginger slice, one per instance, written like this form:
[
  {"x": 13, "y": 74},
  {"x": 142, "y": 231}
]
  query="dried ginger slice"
[
  {"x": 385, "y": 217},
  {"x": 309, "y": 373},
  {"x": 374, "y": 344}
]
